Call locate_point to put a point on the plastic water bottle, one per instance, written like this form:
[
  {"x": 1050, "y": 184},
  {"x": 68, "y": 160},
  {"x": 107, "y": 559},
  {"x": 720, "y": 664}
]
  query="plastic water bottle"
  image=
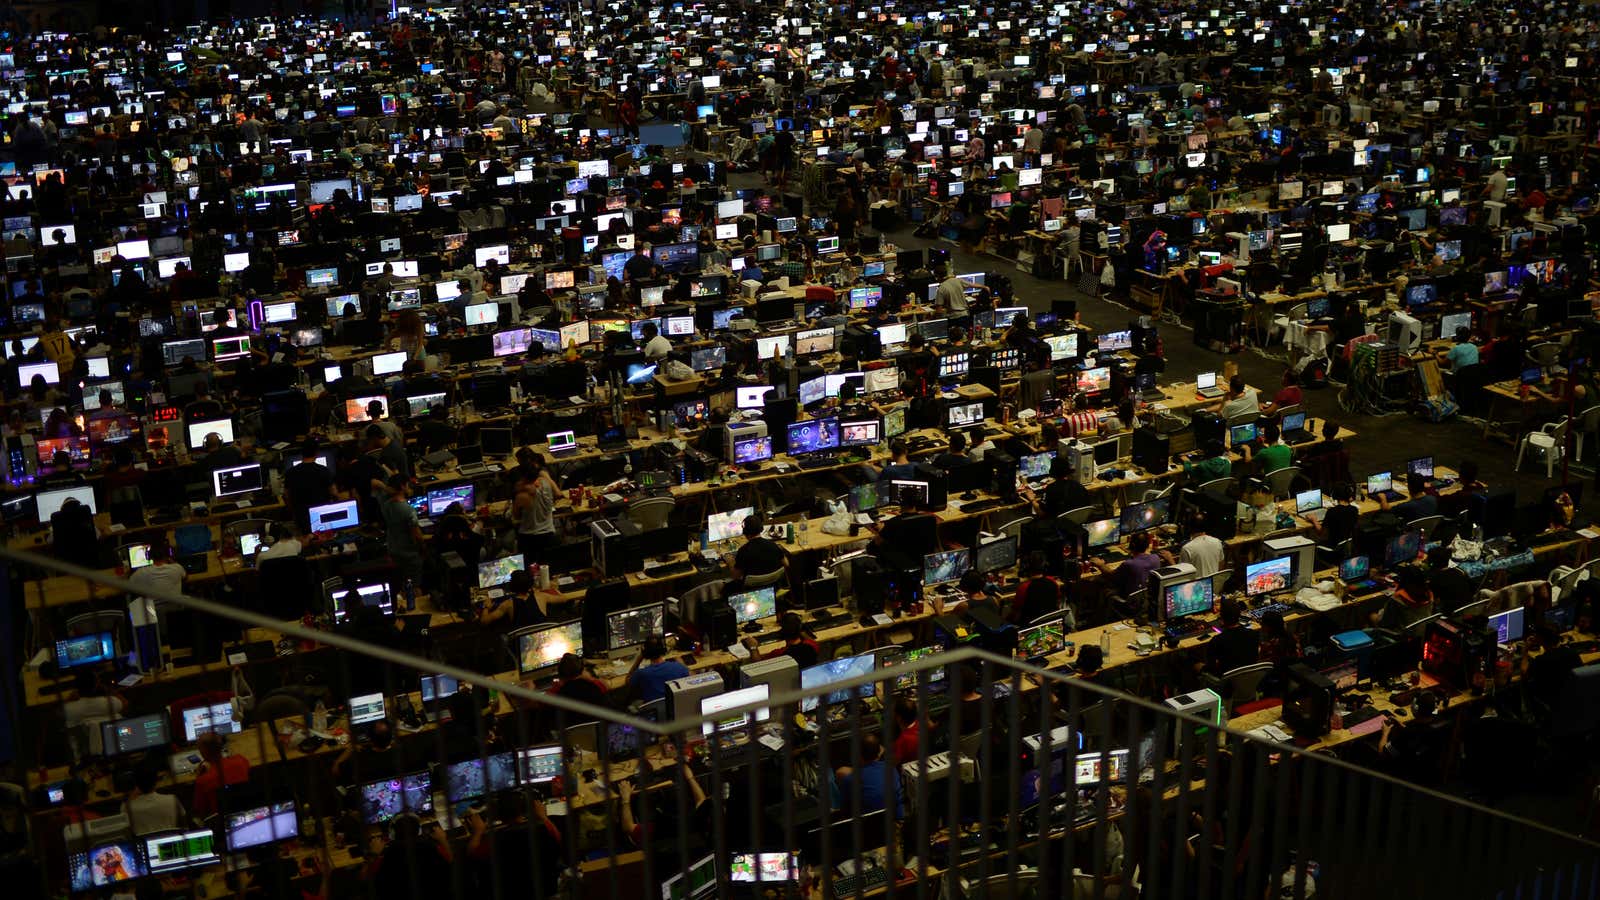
[
  {"x": 1105, "y": 644},
  {"x": 803, "y": 527}
]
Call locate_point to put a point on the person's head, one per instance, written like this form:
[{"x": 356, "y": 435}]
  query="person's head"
[
  {"x": 375, "y": 410},
  {"x": 654, "y": 648},
  {"x": 1215, "y": 447},
  {"x": 1272, "y": 623},
  {"x": 1546, "y": 637},
  {"x": 209, "y": 746},
  {"x": 380, "y": 734},
  {"x": 1060, "y": 468},
  {"x": 160, "y": 549},
  {"x": 86, "y": 682},
  {"x": 520, "y": 582},
  {"x": 213, "y": 442},
  {"x": 1236, "y": 385},
  {"x": 1416, "y": 485},
  {"x": 905, "y": 711},
  {"x": 971, "y": 582},
  {"x": 752, "y": 526},
  {"x": 1230, "y": 612},
  {"x": 871, "y": 747},
  {"x": 397, "y": 486},
  {"x": 1125, "y": 412},
  {"x": 1199, "y": 524},
  {"x": 649, "y": 330},
  {"x": 105, "y": 399},
  {"x": 1439, "y": 557},
  {"x": 790, "y": 627},
  {"x": 1463, "y": 334},
  {"x": 898, "y": 449},
  {"x": 570, "y": 666},
  {"x": 1468, "y": 470},
  {"x": 145, "y": 779},
  {"x": 1139, "y": 542},
  {"x": 1330, "y": 430},
  {"x": 1090, "y": 659},
  {"x": 1413, "y": 580},
  {"x": 1289, "y": 377},
  {"x": 375, "y": 436},
  {"x": 1270, "y": 431},
  {"x": 958, "y": 442}
]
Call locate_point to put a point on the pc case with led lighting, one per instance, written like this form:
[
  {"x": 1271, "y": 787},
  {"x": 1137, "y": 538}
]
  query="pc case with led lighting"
[
  {"x": 615, "y": 545},
  {"x": 861, "y": 341},
  {"x": 1203, "y": 704},
  {"x": 1457, "y": 653}
]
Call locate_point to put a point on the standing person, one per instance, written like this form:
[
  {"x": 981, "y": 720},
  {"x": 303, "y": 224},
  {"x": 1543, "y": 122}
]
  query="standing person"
[
  {"x": 308, "y": 483},
  {"x": 534, "y": 509},
  {"x": 404, "y": 536}
]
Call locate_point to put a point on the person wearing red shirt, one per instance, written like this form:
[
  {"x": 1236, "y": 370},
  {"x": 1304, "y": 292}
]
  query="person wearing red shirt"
[
  {"x": 910, "y": 725},
  {"x": 216, "y": 772}
]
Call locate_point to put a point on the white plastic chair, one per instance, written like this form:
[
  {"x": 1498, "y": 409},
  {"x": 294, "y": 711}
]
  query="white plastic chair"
[
  {"x": 1586, "y": 423},
  {"x": 1551, "y": 440}
]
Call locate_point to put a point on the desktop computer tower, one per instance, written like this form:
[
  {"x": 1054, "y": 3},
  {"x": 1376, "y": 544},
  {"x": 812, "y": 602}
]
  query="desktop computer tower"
[
  {"x": 861, "y": 341},
  {"x": 995, "y": 634},
  {"x": 867, "y": 579},
  {"x": 1150, "y": 449},
  {"x": 684, "y": 694},
  {"x": 938, "y": 493},
  {"x": 615, "y": 545},
  {"x": 780, "y": 673},
  {"x": 1003, "y": 478},
  {"x": 717, "y": 622},
  {"x": 1204, "y": 704},
  {"x": 1307, "y": 701},
  {"x": 1208, "y": 427}
]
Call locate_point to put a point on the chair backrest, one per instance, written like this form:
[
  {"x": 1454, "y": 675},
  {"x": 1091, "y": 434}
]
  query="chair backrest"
[
  {"x": 1418, "y": 627},
  {"x": 1244, "y": 683},
  {"x": 1426, "y": 524},
  {"x": 1283, "y": 412},
  {"x": 1219, "y": 580},
  {"x": 1163, "y": 493},
  {"x": 751, "y": 582},
  {"x": 1076, "y": 516},
  {"x": 1220, "y": 485},
  {"x": 651, "y": 512},
  {"x": 1014, "y": 527},
  {"x": 689, "y": 602},
  {"x": 1245, "y": 418},
  {"x": 1281, "y": 480},
  {"x": 1475, "y": 608}
]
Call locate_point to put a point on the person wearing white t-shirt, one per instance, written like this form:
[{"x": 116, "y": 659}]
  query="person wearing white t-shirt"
[
  {"x": 284, "y": 543},
  {"x": 150, "y": 811},
  {"x": 1203, "y": 551},
  {"x": 95, "y": 703},
  {"x": 656, "y": 347},
  {"x": 162, "y": 574}
]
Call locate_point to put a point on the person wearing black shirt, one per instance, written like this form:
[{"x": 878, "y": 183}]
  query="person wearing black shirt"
[
  {"x": 308, "y": 482},
  {"x": 1339, "y": 520},
  {"x": 639, "y": 265},
  {"x": 1235, "y": 645},
  {"x": 956, "y": 456},
  {"x": 906, "y": 538},
  {"x": 760, "y": 555},
  {"x": 1065, "y": 493},
  {"x": 1548, "y": 671},
  {"x": 1451, "y": 587}
]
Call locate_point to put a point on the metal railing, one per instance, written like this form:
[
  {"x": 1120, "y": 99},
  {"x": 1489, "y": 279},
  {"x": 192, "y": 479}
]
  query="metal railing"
[{"x": 1014, "y": 782}]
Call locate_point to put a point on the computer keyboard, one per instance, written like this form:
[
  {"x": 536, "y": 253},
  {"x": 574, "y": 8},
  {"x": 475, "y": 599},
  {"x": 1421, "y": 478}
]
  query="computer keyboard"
[
  {"x": 1364, "y": 714},
  {"x": 832, "y": 621},
  {"x": 1279, "y": 608},
  {"x": 865, "y": 881},
  {"x": 1551, "y": 537},
  {"x": 1188, "y": 629},
  {"x": 671, "y": 568},
  {"x": 815, "y": 462},
  {"x": 978, "y": 506}
]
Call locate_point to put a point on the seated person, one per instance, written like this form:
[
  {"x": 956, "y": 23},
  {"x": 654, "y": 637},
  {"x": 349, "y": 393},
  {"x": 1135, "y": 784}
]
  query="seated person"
[
  {"x": 797, "y": 642},
  {"x": 1274, "y": 454},
  {"x": 1213, "y": 464},
  {"x": 1338, "y": 520},
  {"x": 652, "y": 670},
  {"x": 1240, "y": 400},
  {"x": 760, "y": 555},
  {"x": 899, "y": 465},
  {"x": 1409, "y": 604},
  {"x": 517, "y": 607},
  {"x": 1064, "y": 494},
  {"x": 902, "y": 541},
  {"x": 1234, "y": 646},
  {"x": 868, "y": 782},
  {"x": 1258, "y": 511},
  {"x": 956, "y": 456},
  {"x": 574, "y": 683},
  {"x": 1134, "y": 572},
  {"x": 1464, "y": 352},
  {"x": 1451, "y": 587},
  {"x": 1420, "y": 503}
]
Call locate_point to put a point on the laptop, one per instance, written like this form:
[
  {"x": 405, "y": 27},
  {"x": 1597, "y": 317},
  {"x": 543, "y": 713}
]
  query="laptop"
[
  {"x": 1382, "y": 485},
  {"x": 613, "y": 438},
  {"x": 1422, "y": 465},
  {"x": 191, "y": 543},
  {"x": 1294, "y": 429},
  {"x": 1309, "y": 504},
  {"x": 1206, "y": 385},
  {"x": 1353, "y": 572},
  {"x": 469, "y": 460},
  {"x": 563, "y": 443}
]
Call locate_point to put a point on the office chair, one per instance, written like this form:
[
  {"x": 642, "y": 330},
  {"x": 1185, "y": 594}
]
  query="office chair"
[
  {"x": 770, "y": 579},
  {"x": 1222, "y": 485},
  {"x": 651, "y": 512},
  {"x": 1014, "y": 527},
  {"x": 1075, "y": 516},
  {"x": 1241, "y": 685},
  {"x": 689, "y": 602},
  {"x": 1475, "y": 608},
  {"x": 1282, "y": 481},
  {"x": 1426, "y": 524},
  {"x": 1219, "y": 581}
]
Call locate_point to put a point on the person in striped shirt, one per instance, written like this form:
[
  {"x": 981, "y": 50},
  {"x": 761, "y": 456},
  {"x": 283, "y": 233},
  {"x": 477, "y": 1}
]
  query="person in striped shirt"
[{"x": 1081, "y": 420}]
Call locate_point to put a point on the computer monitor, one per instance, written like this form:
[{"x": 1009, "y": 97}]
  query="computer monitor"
[
  {"x": 178, "y": 850},
  {"x": 750, "y": 606},
  {"x": 1449, "y": 323},
  {"x": 366, "y": 709},
  {"x": 85, "y": 650},
  {"x": 1095, "y": 768},
  {"x": 1205, "y": 381},
  {"x": 813, "y": 435},
  {"x": 728, "y": 525},
  {"x": 135, "y": 734},
  {"x": 1138, "y": 517},
  {"x": 864, "y": 433},
  {"x": 823, "y": 674},
  {"x": 1033, "y": 466},
  {"x": 1036, "y": 642},
  {"x": 720, "y": 703},
  {"x": 1094, "y": 380},
  {"x": 754, "y": 868},
  {"x": 496, "y": 572},
  {"x": 334, "y": 516},
  {"x": 474, "y": 778},
  {"x": 541, "y": 648},
  {"x": 346, "y": 601},
  {"x": 1422, "y": 465},
  {"x": 632, "y": 627},
  {"x": 237, "y": 480},
  {"x": 199, "y": 431},
  {"x": 945, "y": 566},
  {"x": 1103, "y": 532},
  {"x": 1187, "y": 598},
  {"x": 996, "y": 555},
  {"x": 1402, "y": 548},
  {"x": 1239, "y": 435},
  {"x": 1308, "y": 501},
  {"x": 215, "y": 718},
  {"x": 386, "y": 798},
  {"x": 105, "y": 865},
  {"x": 752, "y": 450},
  {"x": 1269, "y": 576},
  {"x": 1379, "y": 483},
  {"x": 388, "y": 363},
  {"x": 1507, "y": 626},
  {"x": 1294, "y": 422},
  {"x": 261, "y": 826},
  {"x": 751, "y": 396}
]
